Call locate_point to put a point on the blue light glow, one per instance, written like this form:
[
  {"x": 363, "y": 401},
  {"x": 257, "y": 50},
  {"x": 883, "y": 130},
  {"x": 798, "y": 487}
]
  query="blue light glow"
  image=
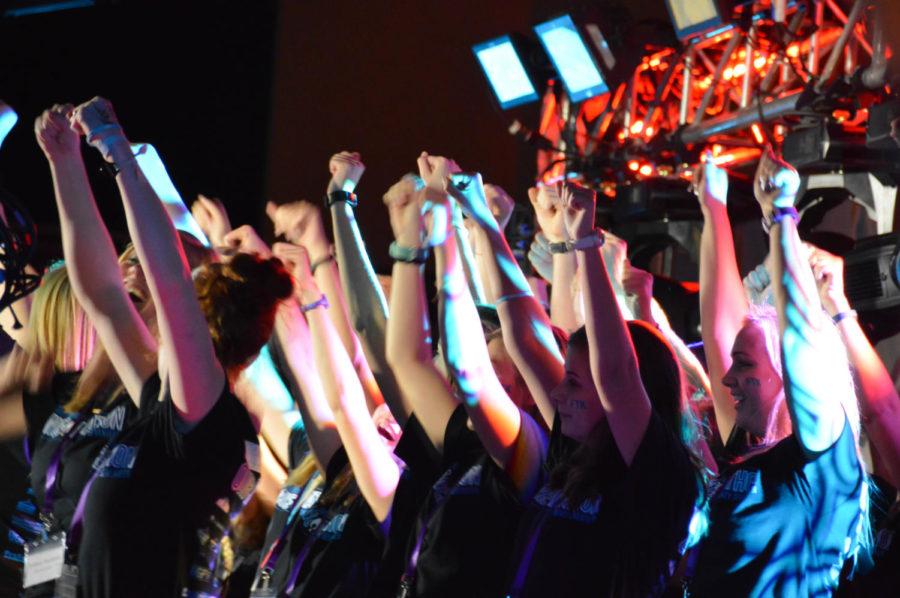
[
  {"x": 505, "y": 72},
  {"x": 572, "y": 59}
]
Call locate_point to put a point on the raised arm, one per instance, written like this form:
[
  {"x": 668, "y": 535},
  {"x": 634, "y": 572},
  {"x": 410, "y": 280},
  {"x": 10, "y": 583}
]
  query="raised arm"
[
  {"x": 549, "y": 216},
  {"x": 495, "y": 418},
  {"x": 425, "y": 391},
  {"x": 268, "y": 400},
  {"x": 614, "y": 365},
  {"x": 723, "y": 305},
  {"x": 91, "y": 258},
  {"x": 878, "y": 400},
  {"x": 293, "y": 335},
  {"x": 527, "y": 331},
  {"x": 813, "y": 365},
  {"x": 194, "y": 374},
  {"x": 301, "y": 223},
  {"x": 365, "y": 299},
  {"x": 638, "y": 283},
  {"x": 375, "y": 471}
]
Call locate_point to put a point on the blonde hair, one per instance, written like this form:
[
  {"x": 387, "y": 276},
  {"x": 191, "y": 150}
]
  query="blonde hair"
[{"x": 57, "y": 325}]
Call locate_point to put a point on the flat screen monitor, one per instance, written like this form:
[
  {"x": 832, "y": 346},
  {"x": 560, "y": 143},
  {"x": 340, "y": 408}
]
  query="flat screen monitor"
[
  {"x": 572, "y": 59},
  {"x": 505, "y": 71},
  {"x": 691, "y": 17}
]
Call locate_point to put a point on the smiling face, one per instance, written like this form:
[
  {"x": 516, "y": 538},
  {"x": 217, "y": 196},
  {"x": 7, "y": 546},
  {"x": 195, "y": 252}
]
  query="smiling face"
[
  {"x": 755, "y": 383},
  {"x": 133, "y": 276},
  {"x": 576, "y": 399}
]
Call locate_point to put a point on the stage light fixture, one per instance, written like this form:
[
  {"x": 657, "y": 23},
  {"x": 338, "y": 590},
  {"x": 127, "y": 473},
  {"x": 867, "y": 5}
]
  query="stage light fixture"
[
  {"x": 872, "y": 273},
  {"x": 696, "y": 17},
  {"x": 505, "y": 71},
  {"x": 573, "y": 60}
]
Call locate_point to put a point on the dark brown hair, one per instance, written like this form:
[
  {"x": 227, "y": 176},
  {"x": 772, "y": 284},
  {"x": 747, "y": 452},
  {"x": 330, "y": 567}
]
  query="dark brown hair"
[
  {"x": 663, "y": 380},
  {"x": 239, "y": 299}
]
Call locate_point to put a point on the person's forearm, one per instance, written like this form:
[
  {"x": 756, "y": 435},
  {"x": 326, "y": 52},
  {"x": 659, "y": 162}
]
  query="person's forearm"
[
  {"x": 482, "y": 261},
  {"x": 878, "y": 400},
  {"x": 471, "y": 267},
  {"x": 195, "y": 375},
  {"x": 494, "y": 417},
  {"x": 723, "y": 307},
  {"x": 375, "y": 472},
  {"x": 527, "y": 330},
  {"x": 367, "y": 305},
  {"x": 562, "y": 297},
  {"x": 293, "y": 336},
  {"x": 90, "y": 255},
  {"x": 811, "y": 365}
]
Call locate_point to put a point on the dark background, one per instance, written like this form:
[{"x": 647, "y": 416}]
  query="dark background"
[{"x": 247, "y": 101}]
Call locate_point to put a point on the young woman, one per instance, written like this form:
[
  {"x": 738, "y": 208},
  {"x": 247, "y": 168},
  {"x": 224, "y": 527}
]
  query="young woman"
[
  {"x": 617, "y": 439},
  {"x": 157, "y": 483},
  {"x": 791, "y": 510}
]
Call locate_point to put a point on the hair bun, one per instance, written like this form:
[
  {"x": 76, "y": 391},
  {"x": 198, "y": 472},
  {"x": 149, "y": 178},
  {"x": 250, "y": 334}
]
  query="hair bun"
[{"x": 239, "y": 299}]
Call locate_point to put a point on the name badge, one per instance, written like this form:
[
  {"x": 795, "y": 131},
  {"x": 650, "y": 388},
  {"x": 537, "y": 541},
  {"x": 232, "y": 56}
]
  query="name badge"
[{"x": 44, "y": 560}]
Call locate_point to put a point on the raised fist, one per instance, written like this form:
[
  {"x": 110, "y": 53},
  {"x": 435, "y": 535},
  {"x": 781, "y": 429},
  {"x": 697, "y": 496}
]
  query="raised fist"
[
  {"x": 245, "y": 240},
  {"x": 549, "y": 212},
  {"x": 346, "y": 169},
  {"x": 710, "y": 183},
  {"x": 301, "y": 223},
  {"x": 580, "y": 204},
  {"x": 54, "y": 134},
  {"x": 96, "y": 120},
  {"x": 828, "y": 270},
  {"x": 436, "y": 170},
  {"x": 404, "y": 204},
  {"x": 775, "y": 184},
  {"x": 212, "y": 218},
  {"x": 500, "y": 204}
]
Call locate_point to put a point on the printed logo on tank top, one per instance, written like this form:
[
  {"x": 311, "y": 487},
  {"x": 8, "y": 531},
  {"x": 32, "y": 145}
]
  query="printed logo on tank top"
[
  {"x": 97, "y": 426},
  {"x": 736, "y": 486},
  {"x": 116, "y": 461},
  {"x": 286, "y": 498},
  {"x": 558, "y": 505},
  {"x": 58, "y": 425}
]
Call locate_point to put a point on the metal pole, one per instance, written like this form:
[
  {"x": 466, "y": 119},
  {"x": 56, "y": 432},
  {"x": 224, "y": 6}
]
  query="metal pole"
[
  {"x": 720, "y": 68},
  {"x": 741, "y": 119},
  {"x": 749, "y": 68},
  {"x": 686, "y": 87},
  {"x": 813, "y": 64},
  {"x": 838, "y": 49}
]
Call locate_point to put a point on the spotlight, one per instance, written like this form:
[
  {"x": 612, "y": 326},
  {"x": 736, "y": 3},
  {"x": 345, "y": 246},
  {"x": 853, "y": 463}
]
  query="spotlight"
[
  {"x": 872, "y": 273},
  {"x": 573, "y": 61},
  {"x": 505, "y": 71}
]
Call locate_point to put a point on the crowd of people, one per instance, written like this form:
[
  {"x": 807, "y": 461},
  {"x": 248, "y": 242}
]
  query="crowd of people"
[{"x": 522, "y": 445}]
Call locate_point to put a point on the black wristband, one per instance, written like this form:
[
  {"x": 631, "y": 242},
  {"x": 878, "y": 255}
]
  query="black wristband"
[
  {"x": 110, "y": 169},
  {"x": 336, "y": 196}
]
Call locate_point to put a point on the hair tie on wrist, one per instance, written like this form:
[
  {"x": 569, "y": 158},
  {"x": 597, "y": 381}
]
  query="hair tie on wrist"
[
  {"x": 779, "y": 214},
  {"x": 321, "y": 302}
]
